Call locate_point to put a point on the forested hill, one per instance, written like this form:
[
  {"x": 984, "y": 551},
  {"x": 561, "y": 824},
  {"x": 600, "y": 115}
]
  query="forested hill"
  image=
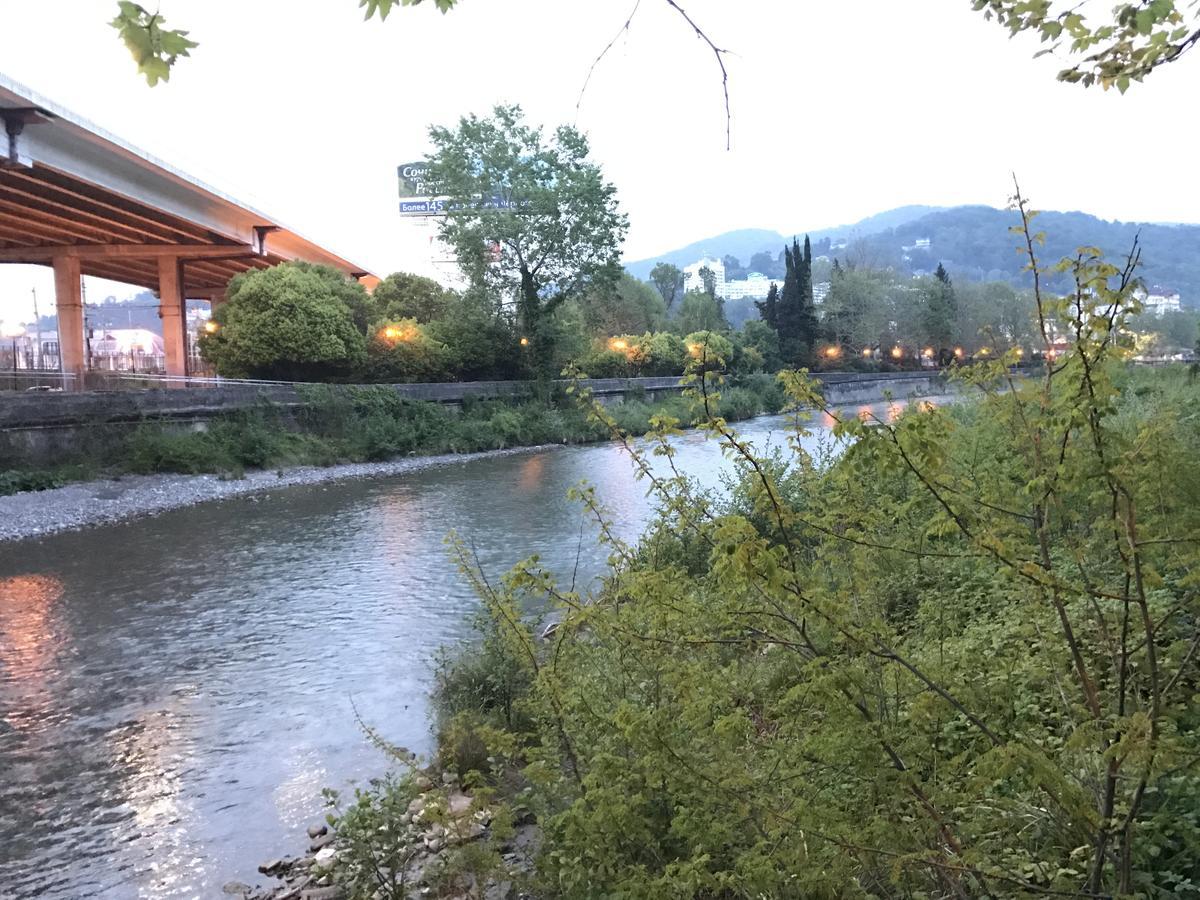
[
  {"x": 746, "y": 242},
  {"x": 974, "y": 243}
]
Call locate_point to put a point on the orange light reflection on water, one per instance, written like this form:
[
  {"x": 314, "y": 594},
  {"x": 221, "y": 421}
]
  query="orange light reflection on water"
[{"x": 27, "y": 639}]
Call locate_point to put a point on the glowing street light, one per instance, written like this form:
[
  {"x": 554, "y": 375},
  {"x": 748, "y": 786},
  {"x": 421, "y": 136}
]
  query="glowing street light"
[
  {"x": 618, "y": 344},
  {"x": 927, "y": 353},
  {"x": 897, "y": 352},
  {"x": 832, "y": 352},
  {"x": 958, "y": 352},
  {"x": 866, "y": 351},
  {"x": 211, "y": 327},
  {"x": 524, "y": 342},
  {"x": 392, "y": 333}
]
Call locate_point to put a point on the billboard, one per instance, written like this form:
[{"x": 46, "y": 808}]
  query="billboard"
[
  {"x": 421, "y": 197},
  {"x": 414, "y": 180}
]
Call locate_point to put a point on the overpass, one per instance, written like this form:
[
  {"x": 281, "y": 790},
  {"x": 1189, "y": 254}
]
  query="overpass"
[{"x": 81, "y": 200}]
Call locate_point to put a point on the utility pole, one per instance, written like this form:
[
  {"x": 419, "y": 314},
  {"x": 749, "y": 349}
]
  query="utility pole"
[
  {"x": 87, "y": 325},
  {"x": 37, "y": 330}
]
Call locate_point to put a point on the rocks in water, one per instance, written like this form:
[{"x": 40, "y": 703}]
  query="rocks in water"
[
  {"x": 236, "y": 888},
  {"x": 316, "y": 831},
  {"x": 325, "y": 857}
]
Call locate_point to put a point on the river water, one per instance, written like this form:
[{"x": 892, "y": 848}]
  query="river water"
[{"x": 176, "y": 691}]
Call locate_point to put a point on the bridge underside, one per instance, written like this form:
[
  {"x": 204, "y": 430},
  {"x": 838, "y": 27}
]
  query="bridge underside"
[{"x": 82, "y": 201}]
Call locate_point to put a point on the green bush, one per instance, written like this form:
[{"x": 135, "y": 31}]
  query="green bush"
[
  {"x": 154, "y": 449},
  {"x": 14, "y": 481},
  {"x": 738, "y": 403}
]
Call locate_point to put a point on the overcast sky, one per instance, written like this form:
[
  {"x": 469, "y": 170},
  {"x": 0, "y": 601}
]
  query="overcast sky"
[{"x": 840, "y": 110}]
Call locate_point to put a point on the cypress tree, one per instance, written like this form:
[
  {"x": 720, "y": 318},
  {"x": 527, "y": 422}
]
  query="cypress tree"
[
  {"x": 789, "y": 305},
  {"x": 808, "y": 308},
  {"x": 768, "y": 310}
]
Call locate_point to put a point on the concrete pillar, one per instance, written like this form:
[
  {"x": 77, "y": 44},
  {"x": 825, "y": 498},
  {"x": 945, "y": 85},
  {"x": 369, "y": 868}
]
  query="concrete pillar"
[
  {"x": 170, "y": 308},
  {"x": 68, "y": 302}
]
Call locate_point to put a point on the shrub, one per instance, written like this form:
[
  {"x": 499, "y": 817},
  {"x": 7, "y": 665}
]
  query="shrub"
[
  {"x": 153, "y": 449},
  {"x": 288, "y": 322}
]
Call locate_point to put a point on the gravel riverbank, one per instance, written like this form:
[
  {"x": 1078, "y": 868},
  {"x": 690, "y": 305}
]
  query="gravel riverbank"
[{"x": 37, "y": 513}]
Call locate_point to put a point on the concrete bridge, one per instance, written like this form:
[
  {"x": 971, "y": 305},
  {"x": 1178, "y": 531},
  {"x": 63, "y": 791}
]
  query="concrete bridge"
[{"x": 78, "y": 199}]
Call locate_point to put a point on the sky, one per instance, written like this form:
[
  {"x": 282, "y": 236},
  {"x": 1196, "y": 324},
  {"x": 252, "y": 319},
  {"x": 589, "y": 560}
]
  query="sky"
[{"x": 840, "y": 110}]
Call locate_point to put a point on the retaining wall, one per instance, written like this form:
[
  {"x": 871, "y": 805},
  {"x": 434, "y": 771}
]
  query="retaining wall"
[{"x": 44, "y": 427}]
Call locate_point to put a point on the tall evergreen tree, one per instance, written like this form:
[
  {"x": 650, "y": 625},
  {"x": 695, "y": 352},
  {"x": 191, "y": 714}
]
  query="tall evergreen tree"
[
  {"x": 768, "y": 310},
  {"x": 809, "y": 326},
  {"x": 940, "y": 311}
]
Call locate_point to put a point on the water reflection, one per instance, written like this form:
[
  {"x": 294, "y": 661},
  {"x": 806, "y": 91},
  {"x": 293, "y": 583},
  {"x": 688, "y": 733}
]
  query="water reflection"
[
  {"x": 28, "y": 644},
  {"x": 175, "y": 691}
]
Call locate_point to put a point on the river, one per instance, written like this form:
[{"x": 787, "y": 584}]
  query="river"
[{"x": 175, "y": 691}]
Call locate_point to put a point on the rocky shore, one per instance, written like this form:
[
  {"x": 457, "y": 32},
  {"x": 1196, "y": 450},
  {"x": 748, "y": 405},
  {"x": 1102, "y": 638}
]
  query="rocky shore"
[
  {"x": 439, "y": 820},
  {"x": 87, "y": 504}
]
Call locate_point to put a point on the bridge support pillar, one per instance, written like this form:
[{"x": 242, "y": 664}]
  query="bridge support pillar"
[
  {"x": 68, "y": 302},
  {"x": 171, "y": 310}
]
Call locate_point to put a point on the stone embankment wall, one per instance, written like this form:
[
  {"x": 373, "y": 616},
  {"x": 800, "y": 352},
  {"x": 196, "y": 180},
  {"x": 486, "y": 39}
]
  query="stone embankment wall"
[{"x": 42, "y": 427}]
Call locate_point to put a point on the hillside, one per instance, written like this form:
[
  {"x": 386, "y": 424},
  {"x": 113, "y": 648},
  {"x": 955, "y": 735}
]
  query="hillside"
[
  {"x": 974, "y": 243},
  {"x": 746, "y": 242}
]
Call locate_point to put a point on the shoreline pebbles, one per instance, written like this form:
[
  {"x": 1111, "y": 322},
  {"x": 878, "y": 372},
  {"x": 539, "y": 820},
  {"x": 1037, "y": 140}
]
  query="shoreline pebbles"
[{"x": 86, "y": 504}]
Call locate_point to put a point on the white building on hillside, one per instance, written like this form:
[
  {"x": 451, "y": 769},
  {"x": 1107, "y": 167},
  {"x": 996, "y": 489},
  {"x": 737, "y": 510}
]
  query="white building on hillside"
[
  {"x": 754, "y": 286},
  {"x": 693, "y": 282},
  {"x": 1159, "y": 300}
]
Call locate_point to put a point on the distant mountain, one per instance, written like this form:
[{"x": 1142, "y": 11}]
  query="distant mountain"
[
  {"x": 745, "y": 242},
  {"x": 974, "y": 243}
]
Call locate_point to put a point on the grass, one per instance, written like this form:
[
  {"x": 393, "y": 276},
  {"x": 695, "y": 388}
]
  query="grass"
[{"x": 370, "y": 425}]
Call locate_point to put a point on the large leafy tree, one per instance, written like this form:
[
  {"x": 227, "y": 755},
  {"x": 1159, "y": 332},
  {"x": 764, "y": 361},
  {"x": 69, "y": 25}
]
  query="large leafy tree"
[
  {"x": 289, "y": 322},
  {"x": 405, "y": 296},
  {"x": 700, "y": 311},
  {"x": 668, "y": 281},
  {"x": 627, "y": 306},
  {"x": 529, "y": 216}
]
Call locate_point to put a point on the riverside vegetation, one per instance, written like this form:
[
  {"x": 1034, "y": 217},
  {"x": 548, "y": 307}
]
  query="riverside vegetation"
[
  {"x": 367, "y": 424},
  {"x": 956, "y": 660}
]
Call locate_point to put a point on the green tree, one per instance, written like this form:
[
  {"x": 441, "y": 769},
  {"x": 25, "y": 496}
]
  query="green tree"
[
  {"x": 481, "y": 342},
  {"x": 765, "y": 340},
  {"x": 401, "y": 351},
  {"x": 708, "y": 281},
  {"x": 537, "y": 200},
  {"x": 287, "y": 322},
  {"x": 768, "y": 309},
  {"x": 939, "y": 311},
  {"x": 628, "y": 306},
  {"x": 405, "y": 296},
  {"x": 795, "y": 316},
  {"x": 668, "y": 281},
  {"x": 856, "y": 309},
  {"x": 699, "y": 311}
]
